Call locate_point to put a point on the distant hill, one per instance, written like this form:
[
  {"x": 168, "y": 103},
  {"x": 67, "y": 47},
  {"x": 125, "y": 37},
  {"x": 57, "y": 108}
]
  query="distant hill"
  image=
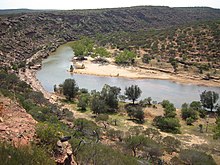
[
  {"x": 23, "y": 34},
  {"x": 16, "y": 11}
]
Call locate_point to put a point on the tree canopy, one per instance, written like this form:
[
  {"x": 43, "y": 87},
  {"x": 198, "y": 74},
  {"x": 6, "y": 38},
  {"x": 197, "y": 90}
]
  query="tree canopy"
[
  {"x": 125, "y": 57},
  {"x": 83, "y": 47},
  {"x": 70, "y": 88},
  {"x": 133, "y": 92},
  {"x": 209, "y": 99}
]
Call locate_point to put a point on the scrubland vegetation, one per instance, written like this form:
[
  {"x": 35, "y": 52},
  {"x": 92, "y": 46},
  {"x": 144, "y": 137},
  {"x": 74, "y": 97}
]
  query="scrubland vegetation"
[
  {"x": 104, "y": 129},
  {"x": 103, "y": 139}
]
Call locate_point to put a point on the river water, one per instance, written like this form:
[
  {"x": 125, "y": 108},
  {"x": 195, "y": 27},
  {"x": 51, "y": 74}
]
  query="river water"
[{"x": 54, "y": 71}]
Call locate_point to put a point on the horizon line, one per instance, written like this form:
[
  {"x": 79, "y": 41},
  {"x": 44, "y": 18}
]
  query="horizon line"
[{"x": 99, "y": 8}]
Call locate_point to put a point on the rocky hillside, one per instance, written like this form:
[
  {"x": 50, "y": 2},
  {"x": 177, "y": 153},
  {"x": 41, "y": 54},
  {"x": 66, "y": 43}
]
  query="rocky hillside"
[
  {"x": 24, "y": 33},
  {"x": 192, "y": 43},
  {"x": 16, "y": 126}
]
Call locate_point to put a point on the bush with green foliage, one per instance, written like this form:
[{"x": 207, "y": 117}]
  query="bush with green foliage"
[
  {"x": 70, "y": 88},
  {"x": 86, "y": 128},
  {"x": 106, "y": 100},
  {"x": 146, "y": 102},
  {"x": 196, "y": 157},
  {"x": 189, "y": 114},
  {"x": 144, "y": 146},
  {"x": 135, "y": 112},
  {"x": 190, "y": 121},
  {"x": 134, "y": 143},
  {"x": 115, "y": 134},
  {"x": 126, "y": 57},
  {"x": 110, "y": 96},
  {"x": 96, "y": 153},
  {"x": 169, "y": 109},
  {"x": 174, "y": 64},
  {"x": 67, "y": 115},
  {"x": 103, "y": 118},
  {"x": 100, "y": 52},
  {"x": 82, "y": 47},
  {"x": 83, "y": 101},
  {"x": 197, "y": 106},
  {"x": 167, "y": 124},
  {"x": 25, "y": 155},
  {"x": 49, "y": 135},
  {"x": 97, "y": 104}
]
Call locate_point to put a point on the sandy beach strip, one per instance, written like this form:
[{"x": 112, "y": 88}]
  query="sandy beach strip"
[{"x": 112, "y": 70}]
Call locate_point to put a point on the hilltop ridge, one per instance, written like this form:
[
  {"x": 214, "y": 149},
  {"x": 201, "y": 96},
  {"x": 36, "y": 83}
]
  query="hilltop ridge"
[{"x": 23, "y": 34}]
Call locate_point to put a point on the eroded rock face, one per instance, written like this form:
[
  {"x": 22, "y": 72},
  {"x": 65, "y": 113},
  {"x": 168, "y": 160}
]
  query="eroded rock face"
[
  {"x": 65, "y": 154},
  {"x": 16, "y": 126}
]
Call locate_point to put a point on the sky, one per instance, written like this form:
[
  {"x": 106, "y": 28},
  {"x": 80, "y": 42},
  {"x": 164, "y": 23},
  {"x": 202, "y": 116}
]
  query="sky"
[{"x": 92, "y": 4}]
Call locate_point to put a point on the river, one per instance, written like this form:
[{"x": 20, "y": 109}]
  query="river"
[{"x": 54, "y": 71}]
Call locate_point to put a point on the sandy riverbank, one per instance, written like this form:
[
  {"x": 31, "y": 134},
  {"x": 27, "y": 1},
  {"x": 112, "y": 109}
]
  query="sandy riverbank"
[
  {"x": 112, "y": 70},
  {"x": 29, "y": 76}
]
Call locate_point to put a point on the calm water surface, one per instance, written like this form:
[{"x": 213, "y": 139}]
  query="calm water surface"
[{"x": 54, "y": 71}]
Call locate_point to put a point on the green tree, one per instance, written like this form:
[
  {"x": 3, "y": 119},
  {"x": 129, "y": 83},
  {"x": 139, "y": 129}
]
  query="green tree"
[
  {"x": 70, "y": 88},
  {"x": 197, "y": 106},
  {"x": 82, "y": 47},
  {"x": 100, "y": 52},
  {"x": 145, "y": 146},
  {"x": 110, "y": 96},
  {"x": 83, "y": 101},
  {"x": 97, "y": 104},
  {"x": 139, "y": 115},
  {"x": 135, "y": 112},
  {"x": 189, "y": 121},
  {"x": 209, "y": 99},
  {"x": 133, "y": 92},
  {"x": 125, "y": 57},
  {"x": 189, "y": 114},
  {"x": 169, "y": 109},
  {"x": 135, "y": 142}
]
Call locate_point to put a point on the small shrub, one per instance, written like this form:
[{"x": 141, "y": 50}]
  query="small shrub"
[
  {"x": 189, "y": 120},
  {"x": 10, "y": 155}
]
